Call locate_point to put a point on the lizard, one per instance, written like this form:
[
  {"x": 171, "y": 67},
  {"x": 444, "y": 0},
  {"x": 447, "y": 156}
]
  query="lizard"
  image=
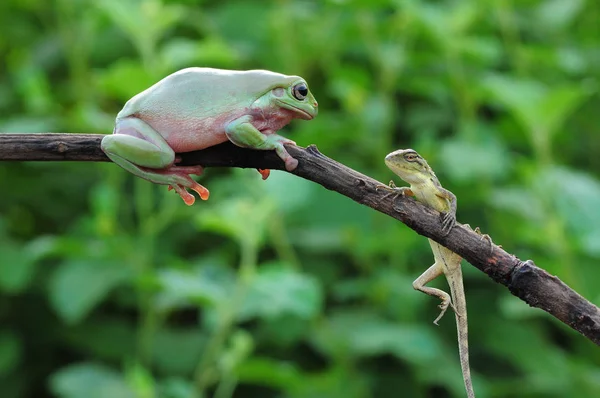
[{"x": 425, "y": 186}]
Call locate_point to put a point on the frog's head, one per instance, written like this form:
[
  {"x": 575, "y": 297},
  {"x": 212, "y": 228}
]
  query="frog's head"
[
  {"x": 296, "y": 97},
  {"x": 409, "y": 165}
]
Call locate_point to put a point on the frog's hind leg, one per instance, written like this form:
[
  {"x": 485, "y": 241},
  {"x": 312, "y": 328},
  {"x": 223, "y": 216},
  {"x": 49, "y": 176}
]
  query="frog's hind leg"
[{"x": 141, "y": 150}]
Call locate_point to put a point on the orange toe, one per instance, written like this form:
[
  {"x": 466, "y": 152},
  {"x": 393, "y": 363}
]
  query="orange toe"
[
  {"x": 203, "y": 192},
  {"x": 187, "y": 197},
  {"x": 264, "y": 173}
]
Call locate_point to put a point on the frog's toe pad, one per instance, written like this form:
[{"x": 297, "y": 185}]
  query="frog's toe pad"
[
  {"x": 200, "y": 190},
  {"x": 187, "y": 197},
  {"x": 291, "y": 164},
  {"x": 264, "y": 173}
]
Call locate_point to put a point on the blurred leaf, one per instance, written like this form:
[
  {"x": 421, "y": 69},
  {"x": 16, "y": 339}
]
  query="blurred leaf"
[
  {"x": 181, "y": 53},
  {"x": 175, "y": 351},
  {"x": 365, "y": 334},
  {"x": 556, "y": 14},
  {"x": 542, "y": 367},
  {"x": 141, "y": 381},
  {"x": 226, "y": 216},
  {"x": 17, "y": 267},
  {"x": 77, "y": 286},
  {"x": 10, "y": 351},
  {"x": 124, "y": 79},
  {"x": 486, "y": 158},
  {"x": 519, "y": 200},
  {"x": 540, "y": 109},
  {"x": 577, "y": 202},
  {"x": 269, "y": 372},
  {"x": 107, "y": 338},
  {"x": 185, "y": 287},
  {"x": 240, "y": 347},
  {"x": 144, "y": 21},
  {"x": 276, "y": 290},
  {"x": 288, "y": 191},
  {"x": 89, "y": 380},
  {"x": 176, "y": 388}
]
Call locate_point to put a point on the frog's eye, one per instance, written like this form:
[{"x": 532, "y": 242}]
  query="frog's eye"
[{"x": 300, "y": 91}]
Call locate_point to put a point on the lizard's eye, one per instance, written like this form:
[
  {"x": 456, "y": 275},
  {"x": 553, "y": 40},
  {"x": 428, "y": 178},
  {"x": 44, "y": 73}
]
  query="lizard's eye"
[
  {"x": 410, "y": 157},
  {"x": 300, "y": 91}
]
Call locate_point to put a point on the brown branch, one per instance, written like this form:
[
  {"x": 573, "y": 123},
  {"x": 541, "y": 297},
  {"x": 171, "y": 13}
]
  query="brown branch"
[{"x": 524, "y": 279}]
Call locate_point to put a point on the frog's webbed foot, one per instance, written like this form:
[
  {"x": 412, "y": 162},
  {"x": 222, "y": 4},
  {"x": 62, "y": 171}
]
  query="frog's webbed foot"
[
  {"x": 483, "y": 237},
  {"x": 178, "y": 178}
]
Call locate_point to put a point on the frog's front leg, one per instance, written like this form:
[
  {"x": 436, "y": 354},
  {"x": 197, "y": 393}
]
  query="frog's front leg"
[
  {"x": 242, "y": 133},
  {"x": 141, "y": 150}
]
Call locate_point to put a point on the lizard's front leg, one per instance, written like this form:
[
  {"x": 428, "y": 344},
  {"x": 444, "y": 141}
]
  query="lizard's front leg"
[{"x": 394, "y": 190}]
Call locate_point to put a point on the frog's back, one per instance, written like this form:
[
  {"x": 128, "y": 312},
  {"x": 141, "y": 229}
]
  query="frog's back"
[{"x": 203, "y": 93}]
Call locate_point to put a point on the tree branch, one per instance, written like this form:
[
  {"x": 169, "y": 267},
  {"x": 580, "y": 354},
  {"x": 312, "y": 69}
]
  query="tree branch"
[{"x": 524, "y": 279}]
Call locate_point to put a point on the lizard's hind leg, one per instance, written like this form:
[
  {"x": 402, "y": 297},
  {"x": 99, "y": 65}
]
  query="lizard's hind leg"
[{"x": 419, "y": 284}]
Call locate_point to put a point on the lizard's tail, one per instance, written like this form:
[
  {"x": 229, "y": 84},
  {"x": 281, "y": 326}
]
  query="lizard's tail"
[{"x": 460, "y": 304}]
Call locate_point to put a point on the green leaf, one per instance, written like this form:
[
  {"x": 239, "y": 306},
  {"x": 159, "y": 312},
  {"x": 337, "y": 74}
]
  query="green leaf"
[
  {"x": 177, "y": 350},
  {"x": 288, "y": 191},
  {"x": 89, "y": 380},
  {"x": 520, "y": 200},
  {"x": 276, "y": 290},
  {"x": 487, "y": 158},
  {"x": 176, "y": 388},
  {"x": 366, "y": 334},
  {"x": 78, "y": 286},
  {"x": 182, "y": 287},
  {"x": 105, "y": 337},
  {"x": 269, "y": 372},
  {"x": 17, "y": 268},
  {"x": 541, "y": 109},
  {"x": 144, "y": 22},
  {"x": 240, "y": 218},
  {"x": 10, "y": 351},
  {"x": 577, "y": 203},
  {"x": 124, "y": 78},
  {"x": 180, "y": 52}
]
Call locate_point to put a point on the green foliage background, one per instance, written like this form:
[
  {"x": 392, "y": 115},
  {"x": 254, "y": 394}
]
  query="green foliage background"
[{"x": 112, "y": 287}]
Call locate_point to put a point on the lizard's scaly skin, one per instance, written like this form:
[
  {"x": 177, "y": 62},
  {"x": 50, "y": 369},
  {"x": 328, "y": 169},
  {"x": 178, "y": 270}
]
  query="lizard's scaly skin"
[{"x": 424, "y": 185}]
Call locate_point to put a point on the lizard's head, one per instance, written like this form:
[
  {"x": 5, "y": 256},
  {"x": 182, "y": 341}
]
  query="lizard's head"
[{"x": 409, "y": 165}]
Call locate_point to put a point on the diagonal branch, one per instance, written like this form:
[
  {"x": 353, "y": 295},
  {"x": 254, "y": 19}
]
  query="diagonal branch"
[{"x": 524, "y": 279}]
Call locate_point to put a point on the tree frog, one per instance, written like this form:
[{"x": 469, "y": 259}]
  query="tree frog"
[{"x": 196, "y": 108}]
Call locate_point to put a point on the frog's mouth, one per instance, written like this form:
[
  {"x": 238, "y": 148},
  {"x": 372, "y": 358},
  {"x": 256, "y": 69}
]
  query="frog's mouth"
[{"x": 305, "y": 114}]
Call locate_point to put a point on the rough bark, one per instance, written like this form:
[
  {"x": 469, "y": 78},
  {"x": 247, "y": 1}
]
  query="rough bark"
[{"x": 523, "y": 278}]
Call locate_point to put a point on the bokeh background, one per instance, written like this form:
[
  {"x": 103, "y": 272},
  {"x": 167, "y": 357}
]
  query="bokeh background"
[{"x": 111, "y": 287}]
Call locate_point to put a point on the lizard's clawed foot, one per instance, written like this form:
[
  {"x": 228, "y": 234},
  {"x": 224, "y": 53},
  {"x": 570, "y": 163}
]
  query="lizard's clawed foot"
[
  {"x": 483, "y": 237},
  {"x": 444, "y": 307},
  {"x": 448, "y": 222},
  {"x": 393, "y": 190}
]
